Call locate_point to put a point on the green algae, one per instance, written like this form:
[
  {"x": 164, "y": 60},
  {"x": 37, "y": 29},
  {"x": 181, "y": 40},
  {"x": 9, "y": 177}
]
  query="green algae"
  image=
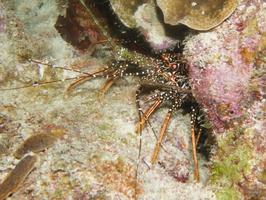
[{"x": 230, "y": 165}]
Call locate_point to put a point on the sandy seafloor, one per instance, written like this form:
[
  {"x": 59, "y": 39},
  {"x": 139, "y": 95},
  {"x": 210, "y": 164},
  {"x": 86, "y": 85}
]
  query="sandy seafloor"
[{"x": 96, "y": 158}]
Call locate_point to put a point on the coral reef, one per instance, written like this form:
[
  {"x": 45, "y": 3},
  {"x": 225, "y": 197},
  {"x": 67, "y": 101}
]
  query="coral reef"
[
  {"x": 199, "y": 14},
  {"x": 97, "y": 157},
  {"x": 126, "y": 9},
  {"x": 144, "y": 16},
  {"x": 152, "y": 29},
  {"x": 147, "y": 17},
  {"x": 227, "y": 68}
]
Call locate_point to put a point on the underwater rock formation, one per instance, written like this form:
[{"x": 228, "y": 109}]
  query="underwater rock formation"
[
  {"x": 144, "y": 16},
  {"x": 153, "y": 29},
  {"x": 153, "y": 19},
  {"x": 125, "y": 10},
  {"x": 227, "y": 71},
  {"x": 198, "y": 14}
]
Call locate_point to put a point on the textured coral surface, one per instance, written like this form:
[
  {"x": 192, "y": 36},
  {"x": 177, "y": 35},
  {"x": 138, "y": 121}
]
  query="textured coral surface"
[
  {"x": 228, "y": 80},
  {"x": 125, "y": 10},
  {"x": 198, "y": 14}
]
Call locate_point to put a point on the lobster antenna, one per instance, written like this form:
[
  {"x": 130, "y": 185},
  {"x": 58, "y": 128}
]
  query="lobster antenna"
[{"x": 103, "y": 31}]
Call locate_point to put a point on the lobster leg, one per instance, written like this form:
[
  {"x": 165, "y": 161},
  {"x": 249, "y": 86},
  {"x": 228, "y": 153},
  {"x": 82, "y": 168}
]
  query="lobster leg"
[
  {"x": 147, "y": 114},
  {"x": 158, "y": 145}
]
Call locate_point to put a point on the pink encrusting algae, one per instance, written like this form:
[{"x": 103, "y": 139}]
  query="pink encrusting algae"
[
  {"x": 228, "y": 76},
  {"x": 221, "y": 65},
  {"x": 221, "y": 79}
]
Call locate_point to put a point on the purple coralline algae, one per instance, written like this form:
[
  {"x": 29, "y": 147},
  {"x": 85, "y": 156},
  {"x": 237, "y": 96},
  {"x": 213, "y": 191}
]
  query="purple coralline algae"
[
  {"x": 227, "y": 74},
  {"x": 222, "y": 63}
]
